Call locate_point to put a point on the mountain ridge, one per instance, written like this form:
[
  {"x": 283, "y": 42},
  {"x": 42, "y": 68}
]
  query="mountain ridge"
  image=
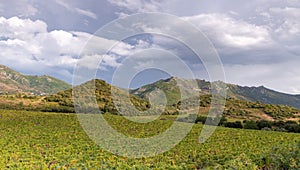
[
  {"x": 12, "y": 82},
  {"x": 101, "y": 91},
  {"x": 254, "y": 94}
]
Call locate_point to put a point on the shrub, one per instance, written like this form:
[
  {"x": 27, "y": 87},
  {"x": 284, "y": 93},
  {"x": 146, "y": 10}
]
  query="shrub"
[
  {"x": 250, "y": 125},
  {"x": 236, "y": 124},
  {"x": 263, "y": 124},
  {"x": 292, "y": 128}
]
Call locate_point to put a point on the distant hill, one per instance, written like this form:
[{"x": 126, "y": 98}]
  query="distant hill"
[
  {"x": 235, "y": 107},
  {"x": 263, "y": 95},
  {"x": 12, "y": 82},
  {"x": 255, "y": 94},
  {"x": 243, "y": 103},
  {"x": 169, "y": 87}
]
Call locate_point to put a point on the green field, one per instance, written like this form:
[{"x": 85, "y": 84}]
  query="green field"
[{"x": 34, "y": 140}]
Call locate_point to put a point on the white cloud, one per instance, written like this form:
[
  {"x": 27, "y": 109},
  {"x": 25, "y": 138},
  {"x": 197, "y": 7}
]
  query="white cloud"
[
  {"x": 227, "y": 31},
  {"x": 28, "y": 10},
  {"x": 286, "y": 11},
  {"x": 77, "y": 10},
  {"x": 21, "y": 28},
  {"x": 22, "y": 8},
  {"x": 261, "y": 36},
  {"x": 137, "y": 5},
  {"x": 280, "y": 76},
  {"x": 289, "y": 23},
  {"x": 86, "y": 13},
  {"x": 26, "y": 43}
]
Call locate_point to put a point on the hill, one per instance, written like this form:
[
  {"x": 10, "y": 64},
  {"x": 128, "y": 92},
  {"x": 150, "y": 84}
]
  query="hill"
[
  {"x": 12, "y": 82},
  {"x": 245, "y": 103},
  {"x": 254, "y": 94},
  {"x": 238, "y": 107},
  {"x": 235, "y": 108},
  {"x": 102, "y": 93},
  {"x": 264, "y": 95}
]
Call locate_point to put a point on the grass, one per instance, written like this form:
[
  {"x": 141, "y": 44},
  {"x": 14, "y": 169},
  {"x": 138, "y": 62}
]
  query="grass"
[{"x": 34, "y": 140}]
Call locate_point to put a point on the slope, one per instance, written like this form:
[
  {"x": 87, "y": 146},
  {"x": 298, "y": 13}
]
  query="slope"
[{"x": 12, "y": 82}]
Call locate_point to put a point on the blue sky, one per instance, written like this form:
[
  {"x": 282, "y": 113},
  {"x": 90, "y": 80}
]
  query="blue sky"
[{"x": 257, "y": 41}]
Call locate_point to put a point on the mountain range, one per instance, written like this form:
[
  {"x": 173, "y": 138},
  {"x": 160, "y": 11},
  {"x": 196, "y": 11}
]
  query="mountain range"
[
  {"x": 254, "y": 94},
  {"x": 242, "y": 102},
  {"x": 235, "y": 107}
]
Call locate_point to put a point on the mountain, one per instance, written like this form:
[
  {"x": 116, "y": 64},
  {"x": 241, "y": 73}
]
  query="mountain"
[
  {"x": 242, "y": 102},
  {"x": 12, "y": 82},
  {"x": 170, "y": 88},
  {"x": 263, "y": 95},
  {"x": 238, "y": 107},
  {"x": 235, "y": 108},
  {"x": 254, "y": 94}
]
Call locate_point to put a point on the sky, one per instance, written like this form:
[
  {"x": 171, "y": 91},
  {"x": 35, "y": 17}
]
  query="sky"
[{"x": 257, "y": 41}]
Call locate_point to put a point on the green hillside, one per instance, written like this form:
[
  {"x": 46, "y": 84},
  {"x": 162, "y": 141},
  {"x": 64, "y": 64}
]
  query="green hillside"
[
  {"x": 242, "y": 106},
  {"x": 102, "y": 94},
  {"x": 254, "y": 94},
  {"x": 12, "y": 82},
  {"x": 236, "y": 108}
]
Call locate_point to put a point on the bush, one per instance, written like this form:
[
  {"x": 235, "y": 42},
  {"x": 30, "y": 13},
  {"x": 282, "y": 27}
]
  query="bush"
[
  {"x": 210, "y": 120},
  {"x": 250, "y": 125},
  {"x": 263, "y": 124},
  {"x": 295, "y": 128},
  {"x": 203, "y": 119},
  {"x": 236, "y": 124},
  {"x": 200, "y": 119}
]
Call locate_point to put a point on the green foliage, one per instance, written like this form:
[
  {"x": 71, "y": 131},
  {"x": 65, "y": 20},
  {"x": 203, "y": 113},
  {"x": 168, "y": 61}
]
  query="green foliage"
[
  {"x": 264, "y": 124},
  {"x": 280, "y": 111},
  {"x": 242, "y": 162},
  {"x": 203, "y": 119},
  {"x": 250, "y": 125},
  {"x": 236, "y": 124},
  {"x": 284, "y": 157},
  {"x": 36, "y": 140}
]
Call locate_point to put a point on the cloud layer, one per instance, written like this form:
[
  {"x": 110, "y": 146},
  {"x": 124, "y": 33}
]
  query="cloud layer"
[{"x": 258, "y": 41}]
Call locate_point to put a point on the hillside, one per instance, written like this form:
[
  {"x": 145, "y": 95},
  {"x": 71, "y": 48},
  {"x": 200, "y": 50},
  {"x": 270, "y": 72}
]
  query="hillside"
[
  {"x": 102, "y": 92},
  {"x": 12, "y": 82},
  {"x": 255, "y": 94},
  {"x": 255, "y": 103},
  {"x": 263, "y": 95},
  {"x": 238, "y": 107},
  {"x": 235, "y": 108},
  {"x": 170, "y": 88}
]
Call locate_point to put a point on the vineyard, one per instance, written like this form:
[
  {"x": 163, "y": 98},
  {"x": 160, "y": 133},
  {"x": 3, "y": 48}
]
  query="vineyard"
[{"x": 34, "y": 140}]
